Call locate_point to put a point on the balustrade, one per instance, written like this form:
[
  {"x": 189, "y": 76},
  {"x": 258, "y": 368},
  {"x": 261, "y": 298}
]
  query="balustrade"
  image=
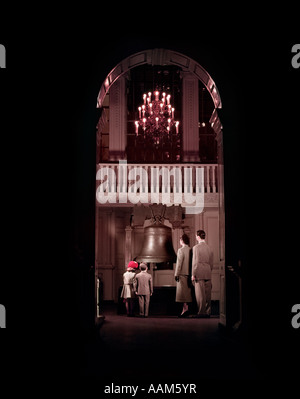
[{"x": 122, "y": 178}]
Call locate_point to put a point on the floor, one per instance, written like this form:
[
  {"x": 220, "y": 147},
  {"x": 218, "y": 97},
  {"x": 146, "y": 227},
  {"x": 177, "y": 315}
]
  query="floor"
[{"x": 162, "y": 348}]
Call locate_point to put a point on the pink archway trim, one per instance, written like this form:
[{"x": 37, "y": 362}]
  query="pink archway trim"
[{"x": 160, "y": 57}]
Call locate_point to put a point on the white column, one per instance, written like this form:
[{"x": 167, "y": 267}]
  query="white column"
[
  {"x": 190, "y": 117},
  {"x": 117, "y": 119},
  {"x": 128, "y": 245}
]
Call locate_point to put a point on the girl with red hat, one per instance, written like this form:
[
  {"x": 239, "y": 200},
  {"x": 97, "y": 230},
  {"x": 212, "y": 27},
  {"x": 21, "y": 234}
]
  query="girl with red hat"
[{"x": 128, "y": 291}]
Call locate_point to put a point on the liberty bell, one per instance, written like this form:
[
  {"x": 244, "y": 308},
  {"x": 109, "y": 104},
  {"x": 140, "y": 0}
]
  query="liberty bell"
[{"x": 157, "y": 246}]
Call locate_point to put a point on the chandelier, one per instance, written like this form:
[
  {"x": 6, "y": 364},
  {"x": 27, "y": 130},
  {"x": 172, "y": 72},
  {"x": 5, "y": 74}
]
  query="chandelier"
[{"x": 156, "y": 117}]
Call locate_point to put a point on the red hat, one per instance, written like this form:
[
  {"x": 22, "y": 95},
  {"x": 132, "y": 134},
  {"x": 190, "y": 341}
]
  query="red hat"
[{"x": 132, "y": 265}]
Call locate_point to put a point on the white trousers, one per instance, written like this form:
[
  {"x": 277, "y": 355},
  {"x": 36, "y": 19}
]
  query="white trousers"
[
  {"x": 144, "y": 301},
  {"x": 203, "y": 296}
]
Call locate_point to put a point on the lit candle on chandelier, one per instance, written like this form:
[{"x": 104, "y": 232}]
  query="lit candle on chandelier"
[
  {"x": 144, "y": 97},
  {"x": 150, "y": 105},
  {"x": 149, "y": 95},
  {"x": 168, "y": 98},
  {"x": 136, "y": 128},
  {"x": 173, "y": 109},
  {"x": 140, "y": 112},
  {"x": 176, "y": 125},
  {"x": 161, "y": 107},
  {"x": 156, "y": 95},
  {"x": 143, "y": 108},
  {"x": 144, "y": 122},
  {"x": 156, "y": 122}
]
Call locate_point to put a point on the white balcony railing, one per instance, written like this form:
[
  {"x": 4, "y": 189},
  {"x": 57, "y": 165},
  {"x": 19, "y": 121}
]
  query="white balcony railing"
[{"x": 117, "y": 180}]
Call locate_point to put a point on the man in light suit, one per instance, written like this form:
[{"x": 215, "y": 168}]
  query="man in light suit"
[
  {"x": 144, "y": 289},
  {"x": 202, "y": 265}
]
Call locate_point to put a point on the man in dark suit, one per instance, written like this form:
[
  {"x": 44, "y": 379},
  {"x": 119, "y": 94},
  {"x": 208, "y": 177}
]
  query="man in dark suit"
[
  {"x": 144, "y": 289},
  {"x": 202, "y": 265}
]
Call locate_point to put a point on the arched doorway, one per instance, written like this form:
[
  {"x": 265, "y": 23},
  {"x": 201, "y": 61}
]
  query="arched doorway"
[
  {"x": 201, "y": 145},
  {"x": 160, "y": 57}
]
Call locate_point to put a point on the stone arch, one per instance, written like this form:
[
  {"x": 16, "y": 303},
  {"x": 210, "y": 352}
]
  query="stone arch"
[{"x": 160, "y": 57}]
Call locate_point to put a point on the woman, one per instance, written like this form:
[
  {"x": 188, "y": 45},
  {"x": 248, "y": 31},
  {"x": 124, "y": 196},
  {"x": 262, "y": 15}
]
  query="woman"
[
  {"x": 183, "y": 274},
  {"x": 128, "y": 290}
]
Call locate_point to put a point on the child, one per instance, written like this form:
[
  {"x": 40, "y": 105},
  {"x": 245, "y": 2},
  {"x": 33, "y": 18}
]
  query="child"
[
  {"x": 127, "y": 291},
  {"x": 144, "y": 289}
]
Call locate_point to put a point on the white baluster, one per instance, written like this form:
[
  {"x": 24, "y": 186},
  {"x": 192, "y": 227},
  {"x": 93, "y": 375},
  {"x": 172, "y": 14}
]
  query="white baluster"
[
  {"x": 129, "y": 173},
  {"x": 207, "y": 177},
  {"x": 202, "y": 180},
  {"x": 186, "y": 179},
  {"x": 145, "y": 186},
  {"x": 152, "y": 179},
  {"x": 169, "y": 180},
  {"x": 213, "y": 179},
  {"x": 197, "y": 181}
]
